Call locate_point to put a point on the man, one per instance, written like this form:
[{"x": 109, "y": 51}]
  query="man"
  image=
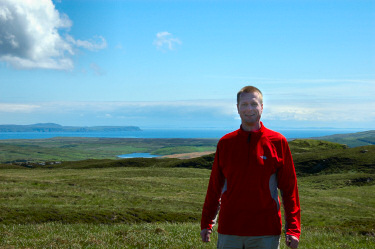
[{"x": 250, "y": 164}]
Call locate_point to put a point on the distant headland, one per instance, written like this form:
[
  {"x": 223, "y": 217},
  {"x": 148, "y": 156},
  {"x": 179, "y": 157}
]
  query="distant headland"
[{"x": 51, "y": 127}]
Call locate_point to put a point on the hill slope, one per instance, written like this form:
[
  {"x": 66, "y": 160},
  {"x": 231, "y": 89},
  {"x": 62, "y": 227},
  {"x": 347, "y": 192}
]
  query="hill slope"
[{"x": 352, "y": 139}]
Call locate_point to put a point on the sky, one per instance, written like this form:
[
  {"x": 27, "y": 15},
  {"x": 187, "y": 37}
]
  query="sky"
[{"x": 180, "y": 64}]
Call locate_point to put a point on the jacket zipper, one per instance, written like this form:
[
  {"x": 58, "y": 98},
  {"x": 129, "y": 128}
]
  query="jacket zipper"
[{"x": 248, "y": 150}]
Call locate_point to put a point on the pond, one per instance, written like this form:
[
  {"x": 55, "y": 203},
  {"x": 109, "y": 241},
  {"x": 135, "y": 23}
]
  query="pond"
[{"x": 138, "y": 155}]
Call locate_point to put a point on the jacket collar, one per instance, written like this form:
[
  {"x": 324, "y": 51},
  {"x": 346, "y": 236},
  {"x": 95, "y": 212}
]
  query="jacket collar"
[{"x": 259, "y": 132}]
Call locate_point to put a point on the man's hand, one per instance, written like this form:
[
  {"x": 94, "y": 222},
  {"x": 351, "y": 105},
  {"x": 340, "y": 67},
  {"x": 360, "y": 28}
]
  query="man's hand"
[
  {"x": 205, "y": 234},
  {"x": 291, "y": 241}
]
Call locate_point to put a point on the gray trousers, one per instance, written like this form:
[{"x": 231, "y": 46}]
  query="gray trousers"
[{"x": 245, "y": 242}]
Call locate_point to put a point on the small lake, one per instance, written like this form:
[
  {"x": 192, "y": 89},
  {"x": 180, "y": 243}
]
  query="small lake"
[{"x": 138, "y": 155}]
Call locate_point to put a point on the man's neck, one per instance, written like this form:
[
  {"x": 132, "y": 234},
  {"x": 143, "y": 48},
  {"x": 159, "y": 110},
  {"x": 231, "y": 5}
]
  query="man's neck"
[{"x": 251, "y": 128}]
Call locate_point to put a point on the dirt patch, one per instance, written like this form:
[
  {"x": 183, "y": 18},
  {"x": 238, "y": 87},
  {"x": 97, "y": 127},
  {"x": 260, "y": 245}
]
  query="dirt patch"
[{"x": 189, "y": 155}]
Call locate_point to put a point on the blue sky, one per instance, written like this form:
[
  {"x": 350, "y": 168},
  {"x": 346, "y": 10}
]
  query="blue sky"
[{"x": 179, "y": 64}]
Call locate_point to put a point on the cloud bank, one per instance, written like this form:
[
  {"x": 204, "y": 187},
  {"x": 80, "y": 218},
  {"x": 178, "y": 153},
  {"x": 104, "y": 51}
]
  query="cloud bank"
[
  {"x": 30, "y": 38},
  {"x": 197, "y": 113},
  {"x": 143, "y": 114},
  {"x": 17, "y": 108}
]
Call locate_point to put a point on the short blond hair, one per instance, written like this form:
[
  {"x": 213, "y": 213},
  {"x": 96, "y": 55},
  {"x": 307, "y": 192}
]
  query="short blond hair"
[{"x": 249, "y": 89}]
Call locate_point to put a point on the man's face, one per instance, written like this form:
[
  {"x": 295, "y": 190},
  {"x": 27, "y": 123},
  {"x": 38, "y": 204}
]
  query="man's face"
[{"x": 250, "y": 108}]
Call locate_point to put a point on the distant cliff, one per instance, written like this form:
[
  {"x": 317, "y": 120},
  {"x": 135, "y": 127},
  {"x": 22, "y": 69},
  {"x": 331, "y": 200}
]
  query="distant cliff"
[{"x": 50, "y": 127}]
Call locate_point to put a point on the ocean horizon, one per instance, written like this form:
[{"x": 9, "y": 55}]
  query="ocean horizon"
[{"x": 171, "y": 133}]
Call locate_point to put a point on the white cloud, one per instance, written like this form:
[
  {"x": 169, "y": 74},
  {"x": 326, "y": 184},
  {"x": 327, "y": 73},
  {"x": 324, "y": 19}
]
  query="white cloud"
[
  {"x": 165, "y": 40},
  {"x": 29, "y": 36},
  {"x": 179, "y": 108},
  {"x": 93, "y": 45},
  {"x": 292, "y": 113},
  {"x": 19, "y": 108},
  {"x": 144, "y": 114},
  {"x": 340, "y": 112}
]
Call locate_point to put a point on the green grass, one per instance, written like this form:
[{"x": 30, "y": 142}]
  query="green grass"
[
  {"x": 107, "y": 195},
  {"x": 156, "y": 203},
  {"x": 156, "y": 207},
  {"x": 151, "y": 235},
  {"x": 334, "y": 201}
]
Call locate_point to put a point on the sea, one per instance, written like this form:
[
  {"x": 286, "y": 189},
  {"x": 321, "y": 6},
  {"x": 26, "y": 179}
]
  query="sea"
[{"x": 171, "y": 133}]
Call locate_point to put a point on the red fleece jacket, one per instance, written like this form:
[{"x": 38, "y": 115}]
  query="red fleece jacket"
[{"x": 247, "y": 170}]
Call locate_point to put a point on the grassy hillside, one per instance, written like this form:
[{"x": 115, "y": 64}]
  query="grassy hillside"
[
  {"x": 315, "y": 156},
  {"x": 132, "y": 194},
  {"x": 352, "y": 139},
  {"x": 156, "y": 203},
  {"x": 160, "y": 207}
]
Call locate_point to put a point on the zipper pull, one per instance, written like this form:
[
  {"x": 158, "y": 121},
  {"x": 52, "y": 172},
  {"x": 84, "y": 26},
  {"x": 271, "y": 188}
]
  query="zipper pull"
[{"x": 249, "y": 138}]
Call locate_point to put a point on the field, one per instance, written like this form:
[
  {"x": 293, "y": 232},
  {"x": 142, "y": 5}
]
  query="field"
[{"x": 156, "y": 203}]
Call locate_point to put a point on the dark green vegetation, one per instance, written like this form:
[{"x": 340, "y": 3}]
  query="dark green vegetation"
[
  {"x": 315, "y": 156},
  {"x": 72, "y": 149},
  {"x": 156, "y": 203},
  {"x": 352, "y": 139},
  {"x": 51, "y": 127}
]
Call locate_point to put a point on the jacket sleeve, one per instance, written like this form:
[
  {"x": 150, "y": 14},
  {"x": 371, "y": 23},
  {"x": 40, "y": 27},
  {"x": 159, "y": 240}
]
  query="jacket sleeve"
[
  {"x": 287, "y": 183},
  {"x": 212, "y": 202}
]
